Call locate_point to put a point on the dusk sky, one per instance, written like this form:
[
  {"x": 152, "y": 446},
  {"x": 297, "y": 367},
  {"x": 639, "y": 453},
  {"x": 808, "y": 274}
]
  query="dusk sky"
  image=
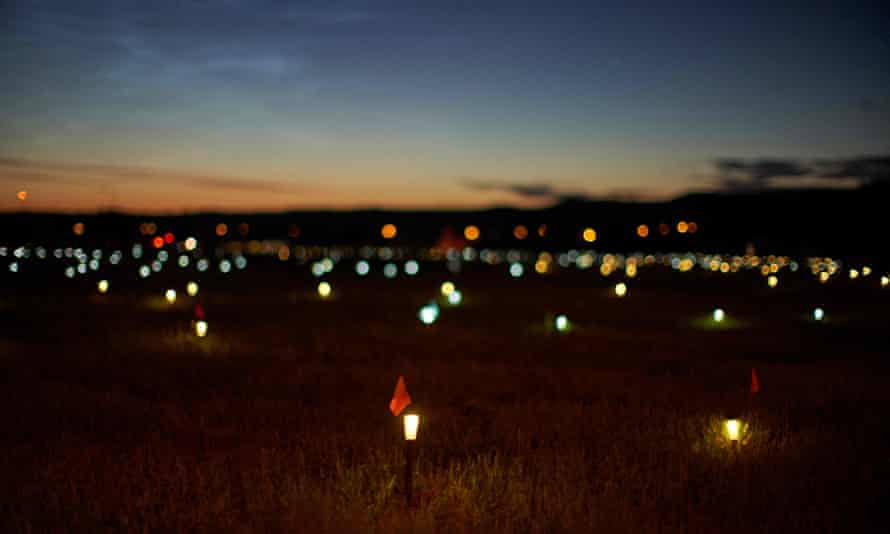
[{"x": 178, "y": 105}]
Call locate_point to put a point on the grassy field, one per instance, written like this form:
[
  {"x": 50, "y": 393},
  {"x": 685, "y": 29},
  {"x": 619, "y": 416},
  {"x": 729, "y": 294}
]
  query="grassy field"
[{"x": 116, "y": 418}]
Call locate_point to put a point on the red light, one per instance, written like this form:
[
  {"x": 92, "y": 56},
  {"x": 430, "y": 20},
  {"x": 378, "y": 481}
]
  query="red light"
[
  {"x": 168, "y": 238},
  {"x": 158, "y": 242}
]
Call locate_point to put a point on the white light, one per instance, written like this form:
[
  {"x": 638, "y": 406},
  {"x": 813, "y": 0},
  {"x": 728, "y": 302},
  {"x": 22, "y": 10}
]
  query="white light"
[
  {"x": 885, "y": 281},
  {"x": 14, "y": 267},
  {"x": 170, "y": 295},
  {"x": 411, "y": 267},
  {"x": 192, "y": 289},
  {"x": 362, "y": 268},
  {"x": 562, "y": 323},
  {"x": 183, "y": 261},
  {"x": 621, "y": 289},
  {"x": 412, "y": 423},
  {"x": 719, "y": 315},
  {"x": 317, "y": 269},
  {"x": 225, "y": 266},
  {"x": 137, "y": 251},
  {"x": 428, "y": 314},
  {"x": 818, "y": 314},
  {"x": 144, "y": 271},
  {"x": 201, "y": 328},
  {"x": 390, "y": 270},
  {"x": 772, "y": 281},
  {"x": 455, "y": 298},
  {"x": 327, "y": 264},
  {"x": 163, "y": 256},
  {"x": 156, "y": 266},
  {"x": 324, "y": 290},
  {"x": 94, "y": 265},
  {"x": 103, "y": 286},
  {"x": 516, "y": 270},
  {"x": 733, "y": 428},
  {"x": 240, "y": 263},
  {"x": 191, "y": 243},
  {"x": 203, "y": 265},
  {"x": 69, "y": 272}
]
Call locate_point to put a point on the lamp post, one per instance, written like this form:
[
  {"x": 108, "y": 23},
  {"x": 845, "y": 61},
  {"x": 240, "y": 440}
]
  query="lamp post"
[
  {"x": 733, "y": 429},
  {"x": 411, "y": 424}
]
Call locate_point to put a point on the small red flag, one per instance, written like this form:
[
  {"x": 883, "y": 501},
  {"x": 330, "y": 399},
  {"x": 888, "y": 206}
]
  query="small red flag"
[
  {"x": 755, "y": 384},
  {"x": 199, "y": 312},
  {"x": 400, "y": 397}
]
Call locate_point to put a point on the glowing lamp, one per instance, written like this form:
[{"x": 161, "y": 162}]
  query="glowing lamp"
[
  {"x": 455, "y": 298},
  {"x": 324, "y": 290},
  {"x": 412, "y": 424},
  {"x": 201, "y": 328},
  {"x": 719, "y": 315},
  {"x": 170, "y": 295},
  {"x": 733, "y": 429},
  {"x": 103, "y": 286},
  {"x": 428, "y": 314},
  {"x": 446, "y": 288},
  {"x": 772, "y": 281},
  {"x": 818, "y": 314},
  {"x": 561, "y": 323},
  {"x": 866, "y": 270},
  {"x": 191, "y": 288},
  {"x": 854, "y": 274},
  {"x": 885, "y": 281},
  {"x": 621, "y": 289}
]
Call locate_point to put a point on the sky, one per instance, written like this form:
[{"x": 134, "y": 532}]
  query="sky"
[{"x": 175, "y": 106}]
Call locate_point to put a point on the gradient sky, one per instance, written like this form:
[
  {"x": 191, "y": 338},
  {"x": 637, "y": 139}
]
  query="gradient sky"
[{"x": 178, "y": 105}]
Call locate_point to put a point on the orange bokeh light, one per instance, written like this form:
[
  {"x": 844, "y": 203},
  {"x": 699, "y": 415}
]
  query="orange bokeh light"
[
  {"x": 682, "y": 227},
  {"x": 158, "y": 242},
  {"x": 520, "y": 232},
  {"x": 642, "y": 230},
  {"x": 78, "y": 228},
  {"x": 22, "y": 195},
  {"x": 389, "y": 231},
  {"x": 664, "y": 229},
  {"x": 221, "y": 229},
  {"x": 471, "y": 232}
]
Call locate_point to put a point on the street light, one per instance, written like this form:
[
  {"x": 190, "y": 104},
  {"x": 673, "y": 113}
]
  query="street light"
[
  {"x": 411, "y": 424},
  {"x": 170, "y": 295}
]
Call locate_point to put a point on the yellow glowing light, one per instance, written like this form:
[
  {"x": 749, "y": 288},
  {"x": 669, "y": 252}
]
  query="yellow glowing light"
[
  {"x": 682, "y": 227},
  {"x": 283, "y": 252},
  {"x": 201, "y": 328},
  {"x": 643, "y": 230},
  {"x": 885, "y": 281},
  {"x": 724, "y": 267},
  {"x": 541, "y": 267},
  {"x": 388, "y": 231},
  {"x": 605, "y": 269},
  {"x": 542, "y": 230},
  {"x": 103, "y": 286},
  {"x": 446, "y": 288},
  {"x": 221, "y": 229},
  {"x": 823, "y": 277},
  {"x": 78, "y": 228},
  {"x": 412, "y": 424},
  {"x": 866, "y": 270},
  {"x": 520, "y": 232},
  {"x": 733, "y": 429},
  {"x": 854, "y": 274},
  {"x": 621, "y": 289},
  {"x": 719, "y": 315},
  {"x": 22, "y": 195},
  {"x": 772, "y": 281},
  {"x": 324, "y": 290},
  {"x": 192, "y": 289},
  {"x": 631, "y": 270},
  {"x": 562, "y": 323},
  {"x": 589, "y": 235},
  {"x": 471, "y": 232},
  {"x": 191, "y": 243},
  {"x": 170, "y": 295}
]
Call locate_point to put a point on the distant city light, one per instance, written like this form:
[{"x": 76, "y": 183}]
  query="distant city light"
[
  {"x": 240, "y": 263},
  {"x": 390, "y": 270},
  {"x": 70, "y": 272},
  {"x": 183, "y": 261},
  {"x": 201, "y": 328},
  {"x": 866, "y": 270},
  {"x": 446, "y": 288},
  {"x": 389, "y": 231},
  {"x": 22, "y": 195},
  {"x": 516, "y": 270},
  {"x": 520, "y": 232},
  {"x": 144, "y": 271},
  {"x": 719, "y": 315},
  {"x": 733, "y": 429},
  {"x": 772, "y": 281},
  {"x": 362, "y": 268},
  {"x": 471, "y": 232},
  {"x": 317, "y": 269},
  {"x": 103, "y": 286},
  {"x": 157, "y": 242},
  {"x": 643, "y": 230},
  {"x": 621, "y": 289},
  {"x": 455, "y": 298},
  {"x": 324, "y": 290},
  {"x": 885, "y": 281},
  {"x": 561, "y": 323},
  {"x": 169, "y": 238},
  {"x": 136, "y": 251},
  {"x": 411, "y": 267},
  {"x": 818, "y": 314},
  {"x": 170, "y": 295},
  {"x": 221, "y": 229},
  {"x": 854, "y": 274},
  {"x": 682, "y": 227},
  {"x": 664, "y": 229},
  {"x": 191, "y": 243},
  {"x": 203, "y": 265},
  {"x": 225, "y": 266},
  {"x": 192, "y": 289},
  {"x": 78, "y": 228},
  {"x": 589, "y": 235},
  {"x": 428, "y": 314}
]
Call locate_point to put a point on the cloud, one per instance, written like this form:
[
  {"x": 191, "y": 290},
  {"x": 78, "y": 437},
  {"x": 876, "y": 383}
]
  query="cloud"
[
  {"x": 546, "y": 191},
  {"x": 737, "y": 175}
]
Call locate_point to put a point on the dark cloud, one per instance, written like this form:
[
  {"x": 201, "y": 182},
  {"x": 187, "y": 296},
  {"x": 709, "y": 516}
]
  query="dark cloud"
[
  {"x": 546, "y": 191},
  {"x": 738, "y": 175},
  {"x": 538, "y": 190}
]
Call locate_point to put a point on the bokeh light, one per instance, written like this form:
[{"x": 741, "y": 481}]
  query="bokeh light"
[
  {"x": 170, "y": 295},
  {"x": 192, "y": 289},
  {"x": 471, "y": 232},
  {"x": 446, "y": 288},
  {"x": 719, "y": 315},
  {"x": 818, "y": 314},
  {"x": 455, "y": 298},
  {"x": 201, "y": 328},
  {"x": 103, "y": 286},
  {"x": 589, "y": 235},
  {"x": 388, "y": 231},
  {"x": 520, "y": 232},
  {"x": 621, "y": 289},
  {"x": 428, "y": 314},
  {"x": 324, "y": 290},
  {"x": 562, "y": 323},
  {"x": 642, "y": 231}
]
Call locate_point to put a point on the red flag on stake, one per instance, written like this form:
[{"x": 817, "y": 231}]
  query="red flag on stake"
[
  {"x": 400, "y": 397},
  {"x": 755, "y": 384}
]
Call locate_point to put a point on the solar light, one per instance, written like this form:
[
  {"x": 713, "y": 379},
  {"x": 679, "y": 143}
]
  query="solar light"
[
  {"x": 455, "y": 298},
  {"x": 885, "y": 281},
  {"x": 818, "y": 314},
  {"x": 324, "y": 290},
  {"x": 621, "y": 289},
  {"x": 446, "y": 288},
  {"x": 772, "y": 281},
  {"x": 201, "y": 328},
  {"x": 719, "y": 315},
  {"x": 733, "y": 429},
  {"x": 562, "y": 323},
  {"x": 170, "y": 295},
  {"x": 412, "y": 424},
  {"x": 191, "y": 288},
  {"x": 428, "y": 314},
  {"x": 103, "y": 286}
]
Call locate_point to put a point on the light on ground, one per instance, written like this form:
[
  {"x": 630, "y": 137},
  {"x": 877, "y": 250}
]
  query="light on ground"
[
  {"x": 621, "y": 289},
  {"x": 562, "y": 323},
  {"x": 412, "y": 424},
  {"x": 818, "y": 314},
  {"x": 201, "y": 328},
  {"x": 192, "y": 289},
  {"x": 324, "y": 290},
  {"x": 170, "y": 295},
  {"x": 733, "y": 429},
  {"x": 719, "y": 315},
  {"x": 103, "y": 286}
]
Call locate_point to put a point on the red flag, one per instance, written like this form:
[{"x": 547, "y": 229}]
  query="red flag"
[
  {"x": 400, "y": 397},
  {"x": 199, "y": 312},
  {"x": 755, "y": 384}
]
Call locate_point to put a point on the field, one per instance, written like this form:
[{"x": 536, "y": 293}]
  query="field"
[{"x": 117, "y": 418}]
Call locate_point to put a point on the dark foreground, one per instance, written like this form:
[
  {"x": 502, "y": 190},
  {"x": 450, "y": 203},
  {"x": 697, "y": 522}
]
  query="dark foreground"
[{"x": 117, "y": 418}]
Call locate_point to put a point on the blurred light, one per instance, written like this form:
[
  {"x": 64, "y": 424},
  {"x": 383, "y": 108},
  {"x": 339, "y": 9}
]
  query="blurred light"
[
  {"x": 163, "y": 256},
  {"x": 116, "y": 257},
  {"x": 144, "y": 271},
  {"x": 643, "y": 230},
  {"x": 693, "y": 227},
  {"x": 191, "y": 288},
  {"x": 542, "y": 230},
  {"x": 158, "y": 242},
  {"x": 243, "y": 229},
  {"x": 221, "y": 229},
  {"x": 225, "y": 266},
  {"x": 719, "y": 315},
  {"x": 317, "y": 269},
  {"x": 589, "y": 235},
  {"x": 324, "y": 290},
  {"x": 733, "y": 429},
  {"x": 664, "y": 229},
  {"x": 885, "y": 281},
  {"x": 471, "y": 232},
  {"x": 156, "y": 266},
  {"x": 14, "y": 267},
  {"x": 411, "y": 267},
  {"x": 621, "y": 289},
  {"x": 455, "y": 298},
  {"x": 137, "y": 251},
  {"x": 412, "y": 423},
  {"x": 542, "y": 266},
  {"x": 818, "y": 314},
  {"x": 682, "y": 227},
  {"x": 854, "y": 274},
  {"x": 191, "y": 243},
  {"x": 446, "y": 288},
  {"x": 170, "y": 295},
  {"x": 284, "y": 253},
  {"x": 428, "y": 314},
  {"x": 78, "y": 228},
  {"x": 183, "y": 261},
  {"x": 823, "y": 276},
  {"x": 390, "y": 270},
  {"x": 562, "y": 323},
  {"x": 103, "y": 286},
  {"x": 362, "y": 268},
  {"x": 94, "y": 265},
  {"x": 22, "y": 195},
  {"x": 520, "y": 232},
  {"x": 203, "y": 265},
  {"x": 772, "y": 280},
  {"x": 516, "y": 270},
  {"x": 70, "y": 272},
  {"x": 293, "y": 231},
  {"x": 389, "y": 231},
  {"x": 201, "y": 328},
  {"x": 169, "y": 238},
  {"x": 866, "y": 270},
  {"x": 240, "y": 263}
]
